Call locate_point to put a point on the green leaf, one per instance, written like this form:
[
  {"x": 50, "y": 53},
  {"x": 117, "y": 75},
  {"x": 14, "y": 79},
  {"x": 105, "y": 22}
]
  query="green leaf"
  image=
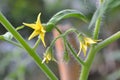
[{"x": 68, "y": 13}]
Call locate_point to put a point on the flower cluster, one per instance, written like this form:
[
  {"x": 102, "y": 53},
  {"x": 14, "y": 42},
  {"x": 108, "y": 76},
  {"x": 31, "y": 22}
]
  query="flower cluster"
[{"x": 85, "y": 42}]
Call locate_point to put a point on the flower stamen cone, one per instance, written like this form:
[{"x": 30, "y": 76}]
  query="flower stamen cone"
[{"x": 38, "y": 29}]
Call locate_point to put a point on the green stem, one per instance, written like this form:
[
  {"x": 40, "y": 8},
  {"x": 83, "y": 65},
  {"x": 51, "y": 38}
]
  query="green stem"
[
  {"x": 97, "y": 28},
  {"x": 86, "y": 68},
  {"x": 70, "y": 47},
  {"x": 68, "y": 44},
  {"x": 36, "y": 44},
  {"x": 11, "y": 42},
  {"x": 60, "y": 32},
  {"x": 30, "y": 51},
  {"x": 101, "y": 1},
  {"x": 75, "y": 54},
  {"x": 91, "y": 54},
  {"x": 19, "y": 27},
  {"x": 108, "y": 41}
]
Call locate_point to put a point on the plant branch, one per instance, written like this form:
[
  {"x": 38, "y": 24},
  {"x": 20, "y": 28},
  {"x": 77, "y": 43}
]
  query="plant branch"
[
  {"x": 97, "y": 28},
  {"x": 75, "y": 54},
  {"x": 10, "y": 41},
  {"x": 68, "y": 44},
  {"x": 36, "y": 44},
  {"x": 30, "y": 51},
  {"x": 108, "y": 41}
]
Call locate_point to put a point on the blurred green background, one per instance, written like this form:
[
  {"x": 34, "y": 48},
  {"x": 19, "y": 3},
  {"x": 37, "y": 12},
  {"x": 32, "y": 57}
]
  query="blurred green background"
[{"x": 15, "y": 64}]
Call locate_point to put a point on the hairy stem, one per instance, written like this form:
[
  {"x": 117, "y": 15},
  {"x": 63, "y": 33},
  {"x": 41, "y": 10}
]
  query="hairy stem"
[
  {"x": 86, "y": 68},
  {"x": 108, "y": 41},
  {"x": 97, "y": 28},
  {"x": 36, "y": 44},
  {"x": 75, "y": 54}
]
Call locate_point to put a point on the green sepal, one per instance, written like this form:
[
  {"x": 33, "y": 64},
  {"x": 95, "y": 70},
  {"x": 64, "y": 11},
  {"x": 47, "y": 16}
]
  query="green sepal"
[{"x": 48, "y": 27}]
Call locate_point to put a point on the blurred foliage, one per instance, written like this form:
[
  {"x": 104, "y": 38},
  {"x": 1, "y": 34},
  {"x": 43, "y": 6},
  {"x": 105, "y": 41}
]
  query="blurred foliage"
[
  {"x": 22, "y": 10},
  {"x": 13, "y": 63}
]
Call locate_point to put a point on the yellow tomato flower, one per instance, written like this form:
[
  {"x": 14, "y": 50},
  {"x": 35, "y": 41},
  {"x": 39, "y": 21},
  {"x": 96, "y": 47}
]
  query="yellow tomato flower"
[
  {"x": 48, "y": 56},
  {"x": 85, "y": 42},
  {"x": 38, "y": 29}
]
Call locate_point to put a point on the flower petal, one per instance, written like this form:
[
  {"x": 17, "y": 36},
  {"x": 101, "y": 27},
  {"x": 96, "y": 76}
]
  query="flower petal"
[
  {"x": 42, "y": 35},
  {"x": 79, "y": 49},
  {"x": 35, "y": 33},
  {"x": 30, "y": 25},
  {"x": 38, "y": 22},
  {"x": 84, "y": 49}
]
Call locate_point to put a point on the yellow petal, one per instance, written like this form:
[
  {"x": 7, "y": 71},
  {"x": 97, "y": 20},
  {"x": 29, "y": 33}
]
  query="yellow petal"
[
  {"x": 35, "y": 33},
  {"x": 38, "y": 18},
  {"x": 42, "y": 35},
  {"x": 30, "y": 25},
  {"x": 38, "y": 22},
  {"x": 84, "y": 49},
  {"x": 80, "y": 49}
]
